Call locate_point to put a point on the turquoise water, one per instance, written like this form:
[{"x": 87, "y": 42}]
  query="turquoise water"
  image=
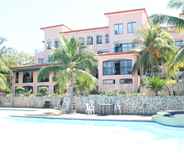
[
  {"x": 42, "y": 139},
  {"x": 155, "y": 129}
]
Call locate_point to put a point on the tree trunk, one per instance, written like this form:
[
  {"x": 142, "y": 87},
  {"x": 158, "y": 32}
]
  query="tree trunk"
[
  {"x": 68, "y": 101},
  {"x": 169, "y": 91},
  {"x": 156, "y": 93},
  {"x": 71, "y": 97}
]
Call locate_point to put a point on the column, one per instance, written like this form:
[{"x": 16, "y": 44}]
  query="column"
[
  {"x": 20, "y": 77},
  {"x": 35, "y": 76},
  {"x": 51, "y": 88}
]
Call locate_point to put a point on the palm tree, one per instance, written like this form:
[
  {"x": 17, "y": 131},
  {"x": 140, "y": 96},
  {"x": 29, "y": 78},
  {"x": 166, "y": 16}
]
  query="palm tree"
[
  {"x": 156, "y": 46},
  {"x": 177, "y": 22},
  {"x": 4, "y": 70},
  {"x": 72, "y": 63}
]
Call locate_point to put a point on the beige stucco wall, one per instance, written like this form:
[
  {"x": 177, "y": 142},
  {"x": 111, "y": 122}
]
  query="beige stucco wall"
[
  {"x": 117, "y": 86},
  {"x": 138, "y": 16},
  {"x": 41, "y": 55},
  {"x": 93, "y": 32}
]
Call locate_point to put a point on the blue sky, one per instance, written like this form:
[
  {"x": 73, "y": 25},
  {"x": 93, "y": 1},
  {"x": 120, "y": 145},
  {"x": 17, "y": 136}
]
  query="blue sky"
[{"x": 21, "y": 19}]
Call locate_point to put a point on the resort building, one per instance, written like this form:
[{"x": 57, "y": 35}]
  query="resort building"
[{"x": 113, "y": 44}]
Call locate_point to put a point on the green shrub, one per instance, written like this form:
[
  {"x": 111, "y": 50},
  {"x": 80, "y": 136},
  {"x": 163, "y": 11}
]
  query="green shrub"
[
  {"x": 113, "y": 93},
  {"x": 19, "y": 91},
  {"x": 155, "y": 83},
  {"x": 43, "y": 91}
]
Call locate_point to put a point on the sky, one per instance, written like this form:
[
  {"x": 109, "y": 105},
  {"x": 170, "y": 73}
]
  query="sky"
[{"x": 20, "y": 20}]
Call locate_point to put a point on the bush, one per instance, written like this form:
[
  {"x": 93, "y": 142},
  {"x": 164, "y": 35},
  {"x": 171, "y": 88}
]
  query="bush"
[
  {"x": 114, "y": 93},
  {"x": 43, "y": 91},
  {"x": 155, "y": 83},
  {"x": 19, "y": 91}
]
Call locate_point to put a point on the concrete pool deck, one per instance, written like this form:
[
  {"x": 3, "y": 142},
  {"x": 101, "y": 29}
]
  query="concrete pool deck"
[
  {"x": 107, "y": 117},
  {"x": 56, "y": 114}
]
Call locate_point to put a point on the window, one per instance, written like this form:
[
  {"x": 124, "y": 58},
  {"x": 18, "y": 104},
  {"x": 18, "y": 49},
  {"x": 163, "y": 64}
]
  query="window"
[
  {"x": 118, "y": 29},
  {"x": 56, "y": 44},
  {"x": 125, "y": 81},
  {"x": 89, "y": 40},
  {"x": 108, "y": 81},
  {"x": 131, "y": 27},
  {"x": 82, "y": 41},
  {"x": 27, "y": 77},
  {"x": 40, "y": 60},
  {"x": 106, "y": 38},
  {"x": 17, "y": 77},
  {"x": 49, "y": 45},
  {"x": 108, "y": 68},
  {"x": 117, "y": 67},
  {"x": 118, "y": 48},
  {"x": 126, "y": 67},
  {"x": 99, "y": 39},
  {"x": 124, "y": 47}
]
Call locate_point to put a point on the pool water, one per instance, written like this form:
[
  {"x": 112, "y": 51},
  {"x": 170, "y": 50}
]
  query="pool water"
[
  {"x": 59, "y": 140},
  {"x": 157, "y": 130}
]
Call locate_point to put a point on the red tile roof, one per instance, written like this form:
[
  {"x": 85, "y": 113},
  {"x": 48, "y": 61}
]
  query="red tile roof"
[
  {"x": 26, "y": 67},
  {"x": 54, "y": 26},
  {"x": 78, "y": 30},
  {"x": 127, "y": 11}
]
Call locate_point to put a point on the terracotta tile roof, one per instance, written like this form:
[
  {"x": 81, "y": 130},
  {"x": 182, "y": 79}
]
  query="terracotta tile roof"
[
  {"x": 54, "y": 26},
  {"x": 87, "y": 29}
]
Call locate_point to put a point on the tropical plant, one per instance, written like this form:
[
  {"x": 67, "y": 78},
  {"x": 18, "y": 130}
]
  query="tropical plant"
[
  {"x": 85, "y": 85},
  {"x": 19, "y": 91},
  {"x": 43, "y": 91},
  {"x": 4, "y": 70},
  {"x": 177, "y": 22},
  {"x": 155, "y": 83},
  {"x": 73, "y": 63},
  {"x": 157, "y": 45},
  {"x": 18, "y": 59}
]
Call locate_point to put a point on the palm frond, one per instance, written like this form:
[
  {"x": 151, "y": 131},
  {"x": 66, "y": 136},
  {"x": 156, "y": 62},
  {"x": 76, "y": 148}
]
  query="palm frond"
[
  {"x": 46, "y": 70},
  {"x": 85, "y": 82},
  {"x": 179, "y": 57},
  {"x": 62, "y": 81},
  {"x": 86, "y": 61},
  {"x": 169, "y": 20},
  {"x": 3, "y": 67},
  {"x": 3, "y": 83},
  {"x": 177, "y": 4},
  {"x": 59, "y": 57}
]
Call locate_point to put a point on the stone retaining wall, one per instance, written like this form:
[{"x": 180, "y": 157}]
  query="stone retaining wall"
[
  {"x": 33, "y": 101},
  {"x": 137, "y": 105},
  {"x": 134, "y": 105}
]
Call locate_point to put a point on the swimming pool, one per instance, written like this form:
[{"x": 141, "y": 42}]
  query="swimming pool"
[{"x": 39, "y": 139}]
